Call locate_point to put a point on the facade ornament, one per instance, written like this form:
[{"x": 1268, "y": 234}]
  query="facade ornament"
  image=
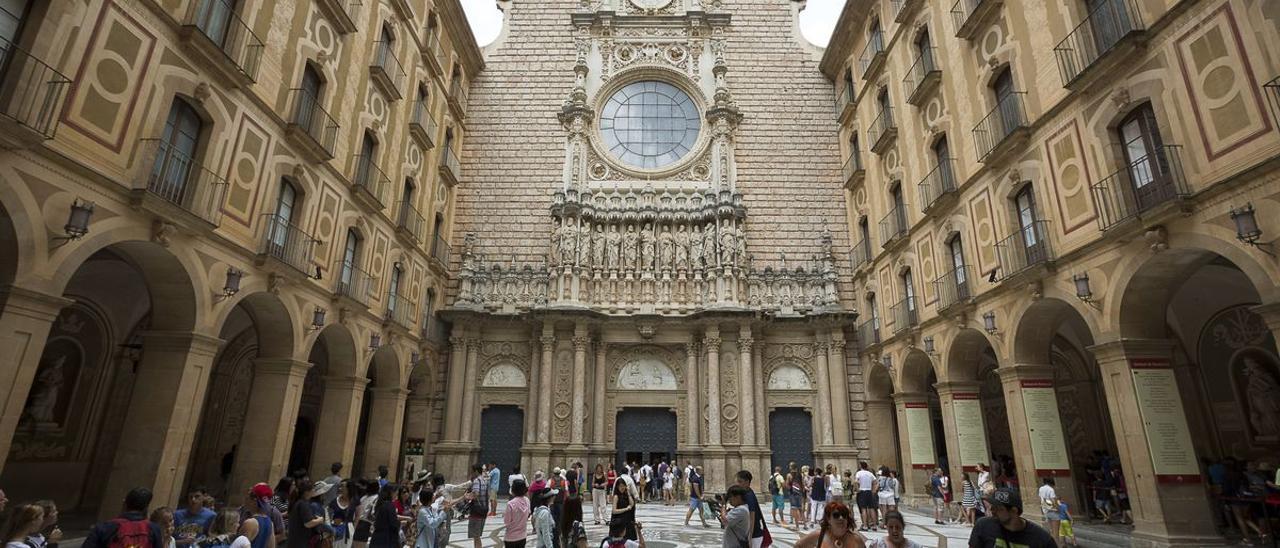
[
  {"x": 202, "y": 92},
  {"x": 648, "y": 330},
  {"x": 1036, "y": 290},
  {"x": 1157, "y": 238},
  {"x": 1015, "y": 175},
  {"x": 161, "y": 231},
  {"x": 275, "y": 282},
  {"x": 1121, "y": 98},
  {"x": 298, "y": 171}
]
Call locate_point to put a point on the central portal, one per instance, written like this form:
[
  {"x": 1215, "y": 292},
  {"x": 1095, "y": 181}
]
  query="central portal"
[{"x": 645, "y": 435}]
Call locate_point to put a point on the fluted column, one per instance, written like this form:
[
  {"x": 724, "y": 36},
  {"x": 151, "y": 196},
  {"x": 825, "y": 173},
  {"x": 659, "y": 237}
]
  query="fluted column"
[
  {"x": 712, "y": 344},
  {"x": 747, "y": 384},
  {"x": 469, "y": 392},
  {"x": 602, "y": 380},
  {"x": 762, "y": 408},
  {"x": 691, "y": 390},
  {"x": 457, "y": 372},
  {"x": 544, "y": 386},
  {"x": 839, "y": 386},
  {"x": 580, "y": 342},
  {"x": 824, "y": 393},
  {"x": 535, "y": 388}
]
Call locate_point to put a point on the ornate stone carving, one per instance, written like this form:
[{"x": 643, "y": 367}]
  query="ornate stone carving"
[{"x": 504, "y": 376}]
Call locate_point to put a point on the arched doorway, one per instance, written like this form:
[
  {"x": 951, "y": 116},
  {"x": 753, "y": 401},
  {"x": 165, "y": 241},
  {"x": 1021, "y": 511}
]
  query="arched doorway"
[
  {"x": 381, "y": 416},
  {"x": 645, "y": 435},
  {"x": 883, "y": 421},
  {"x": 790, "y": 437},
  {"x": 919, "y": 415},
  {"x": 501, "y": 437}
]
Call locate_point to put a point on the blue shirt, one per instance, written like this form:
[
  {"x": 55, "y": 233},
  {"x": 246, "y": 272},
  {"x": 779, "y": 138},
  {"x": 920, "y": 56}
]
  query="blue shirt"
[
  {"x": 495, "y": 477},
  {"x": 187, "y": 525},
  {"x": 753, "y": 505}
]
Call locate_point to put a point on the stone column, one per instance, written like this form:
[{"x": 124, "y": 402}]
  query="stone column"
[
  {"x": 602, "y": 383},
  {"x": 535, "y": 377},
  {"x": 839, "y": 386},
  {"x": 824, "y": 436},
  {"x": 155, "y": 443},
  {"x": 386, "y": 417},
  {"x": 747, "y": 387},
  {"x": 338, "y": 424},
  {"x": 1169, "y": 506},
  {"x": 692, "y": 393},
  {"x": 469, "y": 392},
  {"x": 578, "y": 427},
  {"x": 457, "y": 376},
  {"x": 948, "y": 394},
  {"x": 1041, "y": 448},
  {"x": 914, "y": 476},
  {"x": 711, "y": 342},
  {"x": 276, "y": 393},
  {"x": 883, "y": 448},
  {"x": 24, "y": 328},
  {"x": 417, "y": 422},
  {"x": 762, "y": 408},
  {"x": 544, "y": 386}
]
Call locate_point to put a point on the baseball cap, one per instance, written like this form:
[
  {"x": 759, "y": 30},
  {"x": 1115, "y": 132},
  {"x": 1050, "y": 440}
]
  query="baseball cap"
[
  {"x": 261, "y": 491},
  {"x": 1007, "y": 497}
]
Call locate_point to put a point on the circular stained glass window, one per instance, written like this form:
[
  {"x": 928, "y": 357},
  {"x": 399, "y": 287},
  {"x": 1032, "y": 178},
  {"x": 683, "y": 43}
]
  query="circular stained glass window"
[{"x": 650, "y": 124}]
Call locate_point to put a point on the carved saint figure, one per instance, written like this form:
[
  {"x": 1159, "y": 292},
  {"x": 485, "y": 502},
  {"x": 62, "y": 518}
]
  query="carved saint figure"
[
  {"x": 1263, "y": 395},
  {"x": 44, "y": 398},
  {"x": 630, "y": 242},
  {"x": 709, "y": 246},
  {"x": 695, "y": 247},
  {"x": 555, "y": 243},
  {"x": 666, "y": 248},
  {"x": 741, "y": 236},
  {"x": 647, "y": 243},
  {"x": 597, "y": 247},
  {"x": 613, "y": 248},
  {"x": 728, "y": 245},
  {"x": 682, "y": 248}
]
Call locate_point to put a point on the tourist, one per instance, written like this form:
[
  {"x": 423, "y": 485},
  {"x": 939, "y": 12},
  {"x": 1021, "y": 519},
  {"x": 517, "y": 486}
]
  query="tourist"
[
  {"x": 945, "y": 484},
  {"x": 495, "y": 479},
  {"x": 539, "y": 482},
  {"x": 1066, "y": 533},
  {"x": 579, "y": 535},
  {"x": 668, "y": 485},
  {"x": 776, "y": 483},
  {"x": 897, "y": 489},
  {"x": 695, "y": 496},
  {"x": 736, "y": 518},
  {"x": 131, "y": 528},
  {"x": 599, "y": 483},
  {"x": 48, "y": 535},
  {"x": 25, "y": 520},
  {"x": 430, "y": 518},
  {"x": 386, "y": 524},
  {"x": 303, "y": 520},
  {"x": 756, "y": 526},
  {"x": 478, "y": 494},
  {"x": 646, "y": 475},
  {"x": 985, "y": 488},
  {"x": 817, "y": 494},
  {"x": 342, "y": 513},
  {"x": 968, "y": 499},
  {"x": 611, "y": 475},
  {"x": 334, "y": 479},
  {"x": 515, "y": 517},
  {"x": 795, "y": 496},
  {"x": 259, "y": 525},
  {"x": 557, "y": 484},
  {"x": 571, "y": 507},
  {"x": 1049, "y": 507},
  {"x": 866, "y": 498},
  {"x": 835, "y": 530},
  {"x": 886, "y": 491},
  {"x": 224, "y": 532},
  {"x": 894, "y": 525},
  {"x": 935, "y": 493},
  {"x": 280, "y": 498},
  {"x": 403, "y": 502},
  {"x": 364, "y": 514},
  {"x": 1006, "y": 527},
  {"x": 514, "y": 477},
  {"x": 806, "y": 475},
  {"x": 835, "y": 487},
  {"x": 190, "y": 524},
  {"x": 383, "y": 472},
  {"x": 624, "y": 509},
  {"x": 543, "y": 525},
  {"x": 618, "y": 537}
]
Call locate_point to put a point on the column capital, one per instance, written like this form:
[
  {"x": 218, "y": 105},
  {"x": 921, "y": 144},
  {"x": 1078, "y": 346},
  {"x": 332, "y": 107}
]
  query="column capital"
[
  {"x": 281, "y": 366},
  {"x": 1120, "y": 349},
  {"x": 1025, "y": 372},
  {"x": 548, "y": 341},
  {"x": 909, "y": 397},
  {"x": 821, "y": 347},
  {"x": 836, "y": 345},
  {"x": 344, "y": 382},
  {"x": 712, "y": 344},
  {"x": 745, "y": 344},
  {"x": 457, "y": 341},
  {"x": 580, "y": 342},
  {"x": 181, "y": 340},
  {"x": 691, "y": 348},
  {"x": 953, "y": 387},
  {"x": 394, "y": 391},
  {"x": 34, "y": 304}
]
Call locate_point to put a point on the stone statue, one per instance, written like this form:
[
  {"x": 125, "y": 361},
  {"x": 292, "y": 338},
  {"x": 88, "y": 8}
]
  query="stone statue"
[
  {"x": 709, "y": 246},
  {"x": 613, "y": 248},
  {"x": 741, "y": 236},
  {"x": 630, "y": 244},
  {"x": 582, "y": 244},
  {"x": 695, "y": 247},
  {"x": 728, "y": 245},
  {"x": 597, "y": 247},
  {"x": 666, "y": 248},
  {"x": 647, "y": 243},
  {"x": 1263, "y": 395},
  {"x": 682, "y": 248},
  {"x": 555, "y": 243},
  {"x": 44, "y": 398}
]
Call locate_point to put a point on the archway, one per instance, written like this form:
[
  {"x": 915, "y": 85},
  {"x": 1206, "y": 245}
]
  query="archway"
[
  {"x": 9, "y": 247},
  {"x": 919, "y": 414},
  {"x": 883, "y": 421},
  {"x": 381, "y": 416},
  {"x": 978, "y": 413},
  {"x": 332, "y": 396}
]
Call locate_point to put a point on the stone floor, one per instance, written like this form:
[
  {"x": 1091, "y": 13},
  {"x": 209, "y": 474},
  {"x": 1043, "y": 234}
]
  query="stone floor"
[{"x": 664, "y": 528}]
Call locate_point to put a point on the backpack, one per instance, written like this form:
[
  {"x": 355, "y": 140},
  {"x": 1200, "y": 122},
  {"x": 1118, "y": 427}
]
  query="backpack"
[{"x": 131, "y": 534}]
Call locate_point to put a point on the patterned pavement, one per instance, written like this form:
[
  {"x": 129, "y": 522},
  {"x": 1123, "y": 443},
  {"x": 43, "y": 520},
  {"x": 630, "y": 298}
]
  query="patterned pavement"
[{"x": 664, "y": 528}]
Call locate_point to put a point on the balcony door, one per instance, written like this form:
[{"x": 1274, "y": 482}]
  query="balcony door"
[
  {"x": 214, "y": 19},
  {"x": 393, "y": 290},
  {"x": 1144, "y": 152},
  {"x": 1010, "y": 117},
  {"x": 406, "y": 203},
  {"x": 283, "y": 218},
  {"x": 368, "y": 147},
  {"x": 1033, "y": 245},
  {"x": 176, "y": 152},
  {"x": 909, "y": 298},
  {"x": 942, "y": 152},
  {"x": 350, "y": 254},
  {"x": 1109, "y": 20},
  {"x": 308, "y": 98},
  {"x": 875, "y": 317},
  {"x": 899, "y": 210},
  {"x": 959, "y": 276},
  {"x": 925, "y": 45}
]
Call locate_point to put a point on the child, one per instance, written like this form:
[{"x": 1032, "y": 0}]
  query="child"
[{"x": 1065, "y": 533}]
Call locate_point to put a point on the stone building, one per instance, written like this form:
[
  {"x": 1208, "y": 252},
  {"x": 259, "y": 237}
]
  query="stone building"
[
  {"x": 1064, "y": 216},
  {"x": 223, "y": 235}
]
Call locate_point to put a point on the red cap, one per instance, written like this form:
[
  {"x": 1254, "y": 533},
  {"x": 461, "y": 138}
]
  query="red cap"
[{"x": 261, "y": 491}]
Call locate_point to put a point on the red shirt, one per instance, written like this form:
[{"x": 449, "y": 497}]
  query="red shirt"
[{"x": 612, "y": 476}]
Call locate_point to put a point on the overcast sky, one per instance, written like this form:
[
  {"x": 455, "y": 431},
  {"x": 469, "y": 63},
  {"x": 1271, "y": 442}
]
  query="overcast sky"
[{"x": 816, "y": 21}]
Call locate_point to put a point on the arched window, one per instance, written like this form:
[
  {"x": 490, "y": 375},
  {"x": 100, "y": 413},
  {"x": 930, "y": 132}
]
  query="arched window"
[
  {"x": 864, "y": 230},
  {"x": 849, "y": 90},
  {"x": 942, "y": 156},
  {"x": 176, "y": 153},
  {"x": 309, "y": 97},
  {"x": 924, "y": 47},
  {"x": 899, "y": 206},
  {"x": 1144, "y": 153},
  {"x": 365, "y": 163}
]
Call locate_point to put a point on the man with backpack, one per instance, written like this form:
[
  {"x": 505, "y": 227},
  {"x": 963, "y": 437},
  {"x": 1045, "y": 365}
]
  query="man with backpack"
[
  {"x": 131, "y": 529},
  {"x": 776, "y": 484}
]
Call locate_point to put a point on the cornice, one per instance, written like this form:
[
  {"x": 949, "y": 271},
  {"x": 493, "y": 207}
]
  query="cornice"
[
  {"x": 464, "y": 41},
  {"x": 840, "y": 47}
]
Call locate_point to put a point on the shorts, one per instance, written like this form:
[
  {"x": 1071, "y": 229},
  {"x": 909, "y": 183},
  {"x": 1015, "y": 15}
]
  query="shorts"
[
  {"x": 694, "y": 503},
  {"x": 866, "y": 500},
  {"x": 475, "y": 527},
  {"x": 1065, "y": 530},
  {"x": 514, "y": 543},
  {"x": 1052, "y": 515},
  {"x": 886, "y": 498},
  {"x": 797, "y": 500},
  {"x": 938, "y": 503},
  {"x": 364, "y": 530},
  {"x": 779, "y": 503}
]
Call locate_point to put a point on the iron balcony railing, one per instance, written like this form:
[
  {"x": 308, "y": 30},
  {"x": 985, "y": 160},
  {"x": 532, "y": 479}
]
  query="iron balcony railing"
[
  {"x": 458, "y": 95},
  {"x": 905, "y": 315},
  {"x": 869, "y": 332},
  {"x": 31, "y": 91},
  {"x": 434, "y": 330},
  {"x": 287, "y": 243},
  {"x": 1026, "y": 247},
  {"x": 180, "y": 180},
  {"x": 853, "y": 166},
  {"x": 370, "y": 180},
  {"x": 411, "y": 221},
  {"x": 953, "y": 287},
  {"x": 1007, "y": 117},
  {"x": 432, "y": 50},
  {"x": 386, "y": 69},
  {"x": 966, "y": 14},
  {"x": 1099, "y": 33},
  {"x": 922, "y": 72},
  {"x": 422, "y": 125},
  {"x": 844, "y": 100},
  {"x": 440, "y": 250},
  {"x": 894, "y": 224},
  {"x": 450, "y": 167},
  {"x": 401, "y": 310},
  {"x": 1272, "y": 91},
  {"x": 938, "y": 183},
  {"x": 341, "y": 12},
  {"x": 354, "y": 283},
  {"x": 872, "y": 53},
  {"x": 882, "y": 130},
  {"x": 1143, "y": 184},
  {"x": 310, "y": 117},
  {"x": 902, "y": 8},
  {"x": 860, "y": 254},
  {"x": 218, "y": 21}
]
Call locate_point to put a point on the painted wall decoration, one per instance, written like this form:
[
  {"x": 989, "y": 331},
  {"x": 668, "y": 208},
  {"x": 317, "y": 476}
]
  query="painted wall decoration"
[
  {"x": 789, "y": 377},
  {"x": 326, "y": 222},
  {"x": 646, "y": 374},
  {"x": 1069, "y": 171},
  {"x": 109, "y": 82},
  {"x": 984, "y": 230},
  {"x": 245, "y": 176},
  {"x": 1246, "y": 400},
  {"x": 504, "y": 376},
  {"x": 924, "y": 251}
]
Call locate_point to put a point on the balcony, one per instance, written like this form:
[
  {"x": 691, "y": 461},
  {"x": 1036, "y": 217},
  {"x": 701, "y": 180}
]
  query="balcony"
[
  {"x": 953, "y": 288},
  {"x": 404, "y": 8},
  {"x": 287, "y": 244},
  {"x": 177, "y": 187},
  {"x": 969, "y": 16},
  {"x": 922, "y": 78},
  {"x": 432, "y": 52},
  {"x": 904, "y": 314},
  {"x": 883, "y": 131},
  {"x": 440, "y": 250},
  {"x": 311, "y": 127},
  {"x": 894, "y": 225},
  {"x": 458, "y": 98},
  {"x": 902, "y": 9},
  {"x": 1003, "y": 130},
  {"x": 844, "y": 103},
  {"x": 1272, "y": 91},
  {"x": 1099, "y": 41},
  {"x": 385, "y": 70},
  {"x": 410, "y": 224},
  {"x": 853, "y": 170},
  {"x": 1140, "y": 187},
  {"x": 422, "y": 126},
  {"x": 869, "y": 333},
  {"x": 342, "y": 13},
  {"x": 354, "y": 284},
  {"x": 31, "y": 97},
  {"x": 370, "y": 185},
  {"x": 450, "y": 168},
  {"x": 938, "y": 185},
  {"x": 435, "y": 331},
  {"x": 873, "y": 54},
  {"x": 860, "y": 254},
  {"x": 1025, "y": 248},
  {"x": 217, "y": 33},
  {"x": 400, "y": 311}
]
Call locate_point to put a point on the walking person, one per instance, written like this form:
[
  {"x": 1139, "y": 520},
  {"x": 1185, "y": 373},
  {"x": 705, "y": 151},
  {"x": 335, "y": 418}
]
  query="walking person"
[
  {"x": 968, "y": 499},
  {"x": 935, "y": 494},
  {"x": 835, "y": 487},
  {"x": 599, "y": 483},
  {"x": 515, "y": 517},
  {"x": 886, "y": 491},
  {"x": 835, "y": 531},
  {"x": 866, "y": 497},
  {"x": 695, "y": 497},
  {"x": 894, "y": 525},
  {"x": 495, "y": 479},
  {"x": 668, "y": 485},
  {"x": 610, "y": 476},
  {"x": 1049, "y": 507},
  {"x": 624, "y": 511},
  {"x": 776, "y": 485},
  {"x": 1006, "y": 526},
  {"x": 130, "y": 528},
  {"x": 478, "y": 494}
]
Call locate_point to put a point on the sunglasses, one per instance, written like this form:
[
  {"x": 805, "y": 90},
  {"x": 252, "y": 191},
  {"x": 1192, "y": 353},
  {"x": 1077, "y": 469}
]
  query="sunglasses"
[{"x": 842, "y": 516}]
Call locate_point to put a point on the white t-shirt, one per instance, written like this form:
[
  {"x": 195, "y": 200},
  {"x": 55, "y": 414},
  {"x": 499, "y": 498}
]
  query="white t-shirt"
[
  {"x": 834, "y": 486},
  {"x": 513, "y": 477},
  {"x": 864, "y": 478},
  {"x": 668, "y": 480},
  {"x": 241, "y": 542},
  {"x": 983, "y": 477},
  {"x": 1048, "y": 499},
  {"x": 646, "y": 472}
]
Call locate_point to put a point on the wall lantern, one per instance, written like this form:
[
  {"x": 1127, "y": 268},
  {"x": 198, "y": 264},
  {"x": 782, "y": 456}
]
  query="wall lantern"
[
  {"x": 232, "y": 284},
  {"x": 1247, "y": 229},
  {"x": 1083, "y": 292},
  {"x": 928, "y": 345},
  {"x": 989, "y": 322},
  {"x": 375, "y": 340},
  {"x": 413, "y": 358},
  {"x": 317, "y": 318},
  {"x": 78, "y": 221}
]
